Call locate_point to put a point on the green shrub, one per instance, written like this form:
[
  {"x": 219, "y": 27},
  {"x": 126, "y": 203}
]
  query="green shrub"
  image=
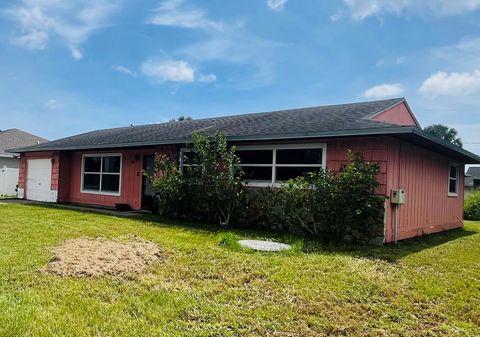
[
  {"x": 325, "y": 204},
  {"x": 167, "y": 182},
  {"x": 209, "y": 189},
  {"x": 331, "y": 205},
  {"x": 472, "y": 206}
]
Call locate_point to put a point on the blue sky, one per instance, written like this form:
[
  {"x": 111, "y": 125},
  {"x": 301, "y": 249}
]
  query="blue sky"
[{"x": 72, "y": 66}]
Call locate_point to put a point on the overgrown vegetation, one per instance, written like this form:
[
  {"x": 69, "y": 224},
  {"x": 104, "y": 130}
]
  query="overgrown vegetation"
[
  {"x": 325, "y": 204},
  {"x": 209, "y": 188},
  {"x": 331, "y": 205},
  {"x": 328, "y": 205},
  {"x": 472, "y": 206},
  {"x": 423, "y": 287}
]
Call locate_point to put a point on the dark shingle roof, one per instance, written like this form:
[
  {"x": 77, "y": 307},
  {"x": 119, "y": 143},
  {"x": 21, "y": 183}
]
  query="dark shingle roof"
[
  {"x": 474, "y": 172},
  {"x": 14, "y": 138},
  {"x": 346, "y": 118}
]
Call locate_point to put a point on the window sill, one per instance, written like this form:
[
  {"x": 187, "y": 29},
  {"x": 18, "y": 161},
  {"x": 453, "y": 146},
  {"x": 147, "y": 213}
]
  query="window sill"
[
  {"x": 452, "y": 195},
  {"x": 111, "y": 194}
]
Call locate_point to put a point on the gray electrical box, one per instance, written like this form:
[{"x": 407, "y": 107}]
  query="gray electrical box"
[{"x": 398, "y": 196}]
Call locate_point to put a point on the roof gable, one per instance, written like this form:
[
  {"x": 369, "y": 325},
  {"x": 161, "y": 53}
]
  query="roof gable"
[
  {"x": 399, "y": 114},
  {"x": 14, "y": 138}
]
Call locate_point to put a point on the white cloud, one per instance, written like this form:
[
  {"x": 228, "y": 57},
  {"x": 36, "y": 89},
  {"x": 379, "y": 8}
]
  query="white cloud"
[
  {"x": 362, "y": 9},
  {"x": 171, "y": 13},
  {"x": 451, "y": 84},
  {"x": 76, "y": 53},
  {"x": 174, "y": 71},
  {"x": 384, "y": 90},
  {"x": 72, "y": 22},
  {"x": 124, "y": 70},
  {"x": 32, "y": 40},
  {"x": 206, "y": 78},
  {"x": 399, "y": 60},
  {"x": 53, "y": 104},
  {"x": 276, "y": 5},
  {"x": 226, "y": 42}
]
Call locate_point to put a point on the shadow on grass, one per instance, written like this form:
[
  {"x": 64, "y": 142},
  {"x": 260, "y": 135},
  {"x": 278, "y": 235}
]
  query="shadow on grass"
[{"x": 304, "y": 244}]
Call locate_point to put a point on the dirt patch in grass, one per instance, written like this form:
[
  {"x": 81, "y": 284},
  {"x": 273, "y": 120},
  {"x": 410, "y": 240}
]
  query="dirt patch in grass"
[{"x": 102, "y": 257}]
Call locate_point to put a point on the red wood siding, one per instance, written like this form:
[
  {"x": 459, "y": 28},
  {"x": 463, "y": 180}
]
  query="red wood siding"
[
  {"x": 398, "y": 114},
  {"x": 422, "y": 173},
  {"x": 131, "y": 179},
  {"x": 424, "y": 176}
]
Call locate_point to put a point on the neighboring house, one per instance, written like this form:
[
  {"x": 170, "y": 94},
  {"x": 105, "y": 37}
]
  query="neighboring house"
[
  {"x": 10, "y": 162},
  {"x": 105, "y": 167},
  {"x": 472, "y": 180}
]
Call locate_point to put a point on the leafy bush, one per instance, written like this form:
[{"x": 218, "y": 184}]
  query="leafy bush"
[
  {"x": 472, "y": 206},
  {"x": 167, "y": 181},
  {"x": 209, "y": 189},
  {"x": 325, "y": 204}
]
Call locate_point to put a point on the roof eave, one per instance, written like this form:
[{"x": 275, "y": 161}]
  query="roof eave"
[
  {"x": 467, "y": 156},
  {"x": 329, "y": 134}
]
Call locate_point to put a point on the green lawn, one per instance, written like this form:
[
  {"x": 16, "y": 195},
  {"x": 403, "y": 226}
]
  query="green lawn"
[{"x": 423, "y": 287}]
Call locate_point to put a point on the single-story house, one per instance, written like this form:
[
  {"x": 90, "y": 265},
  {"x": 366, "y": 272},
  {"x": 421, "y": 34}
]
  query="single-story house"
[
  {"x": 420, "y": 176},
  {"x": 472, "y": 180},
  {"x": 10, "y": 162}
]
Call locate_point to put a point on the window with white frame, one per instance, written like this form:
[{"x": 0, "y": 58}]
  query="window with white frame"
[
  {"x": 271, "y": 164},
  {"x": 453, "y": 180},
  {"x": 101, "y": 173}
]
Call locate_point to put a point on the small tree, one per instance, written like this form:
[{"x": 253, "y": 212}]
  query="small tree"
[
  {"x": 209, "y": 188},
  {"x": 444, "y": 133},
  {"x": 167, "y": 181},
  {"x": 217, "y": 174},
  {"x": 180, "y": 119}
]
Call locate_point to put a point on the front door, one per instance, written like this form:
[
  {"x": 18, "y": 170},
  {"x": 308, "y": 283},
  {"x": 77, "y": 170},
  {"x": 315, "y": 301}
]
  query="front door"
[{"x": 147, "y": 187}]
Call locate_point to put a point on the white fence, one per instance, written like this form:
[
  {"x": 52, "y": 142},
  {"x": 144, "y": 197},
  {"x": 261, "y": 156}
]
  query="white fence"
[{"x": 8, "y": 181}]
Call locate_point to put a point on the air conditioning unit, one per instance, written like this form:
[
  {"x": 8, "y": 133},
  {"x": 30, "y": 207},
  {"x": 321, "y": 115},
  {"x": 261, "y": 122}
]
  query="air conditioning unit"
[{"x": 397, "y": 196}]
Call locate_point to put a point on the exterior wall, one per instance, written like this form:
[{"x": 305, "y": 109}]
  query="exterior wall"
[
  {"x": 131, "y": 179},
  {"x": 9, "y": 162},
  {"x": 422, "y": 173},
  {"x": 424, "y": 176},
  {"x": 398, "y": 114}
]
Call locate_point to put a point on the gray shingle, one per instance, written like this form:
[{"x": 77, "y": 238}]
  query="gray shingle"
[
  {"x": 331, "y": 118},
  {"x": 474, "y": 172},
  {"x": 14, "y": 138}
]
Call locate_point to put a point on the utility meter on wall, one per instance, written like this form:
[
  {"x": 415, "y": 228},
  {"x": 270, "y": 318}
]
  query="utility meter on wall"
[{"x": 398, "y": 196}]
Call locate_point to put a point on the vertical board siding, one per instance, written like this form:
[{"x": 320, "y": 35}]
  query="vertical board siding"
[
  {"x": 398, "y": 114},
  {"x": 374, "y": 149},
  {"x": 421, "y": 172},
  {"x": 424, "y": 176},
  {"x": 131, "y": 178}
]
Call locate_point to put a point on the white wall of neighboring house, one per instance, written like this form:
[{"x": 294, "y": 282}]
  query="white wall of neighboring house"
[{"x": 8, "y": 181}]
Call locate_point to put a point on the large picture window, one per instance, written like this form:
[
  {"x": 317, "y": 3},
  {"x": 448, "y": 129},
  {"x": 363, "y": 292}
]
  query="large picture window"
[
  {"x": 453, "y": 180},
  {"x": 101, "y": 173},
  {"x": 273, "y": 164}
]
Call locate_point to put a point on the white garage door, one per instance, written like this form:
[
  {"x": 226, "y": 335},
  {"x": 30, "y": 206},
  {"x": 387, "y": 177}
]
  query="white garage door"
[{"x": 39, "y": 178}]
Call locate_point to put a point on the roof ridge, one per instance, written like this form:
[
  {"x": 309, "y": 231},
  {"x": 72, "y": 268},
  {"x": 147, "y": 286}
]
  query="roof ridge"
[{"x": 191, "y": 121}]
